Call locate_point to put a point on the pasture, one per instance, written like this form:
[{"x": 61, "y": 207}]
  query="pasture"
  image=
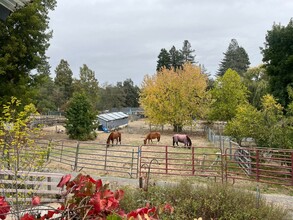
[{"x": 133, "y": 159}]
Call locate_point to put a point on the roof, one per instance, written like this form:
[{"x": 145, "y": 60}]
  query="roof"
[
  {"x": 12, "y": 5},
  {"x": 9, "y": 6},
  {"x": 112, "y": 116}
]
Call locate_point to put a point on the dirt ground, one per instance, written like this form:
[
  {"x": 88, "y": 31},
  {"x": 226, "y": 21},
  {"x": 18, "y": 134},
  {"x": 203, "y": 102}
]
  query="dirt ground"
[{"x": 134, "y": 134}]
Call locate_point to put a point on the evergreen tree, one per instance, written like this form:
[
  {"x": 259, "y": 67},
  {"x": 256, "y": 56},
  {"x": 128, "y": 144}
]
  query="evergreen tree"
[
  {"x": 176, "y": 58},
  {"x": 81, "y": 118},
  {"x": 186, "y": 52},
  {"x": 278, "y": 59},
  {"x": 131, "y": 93},
  {"x": 63, "y": 83},
  {"x": 88, "y": 84},
  {"x": 24, "y": 39},
  {"x": 164, "y": 60},
  {"x": 235, "y": 58}
]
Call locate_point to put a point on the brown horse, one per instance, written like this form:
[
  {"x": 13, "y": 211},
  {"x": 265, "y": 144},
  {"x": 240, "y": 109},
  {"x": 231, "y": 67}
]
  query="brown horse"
[
  {"x": 152, "y": 135},
  {"x": 114, "y": 135}
]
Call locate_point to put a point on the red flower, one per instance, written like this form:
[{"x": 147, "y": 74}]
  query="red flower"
[
  {"x": 119, "y": 194},
  {"x": 27, "y": 216},
  {"x": 108, "y": 193},
  {"x": 168, "y": 208},
  {"x": 64, "y": 180},
  {"x": 36, "y": 200},
  {"x": 99, "y": 184},
  {"x": 4, "y": 208}
]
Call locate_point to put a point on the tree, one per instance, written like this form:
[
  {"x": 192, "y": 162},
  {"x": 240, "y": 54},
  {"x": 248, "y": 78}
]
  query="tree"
[
  {"x": 131, "y": 93},
  {"x": 176, "y": 58},
  {"x": 19, "y": 150},
  {"x": 24, "y": 39},
  {"x": 278, "y": 59},
  {"x": 88, "y": 84},
  {"x": 44, "y": 99},
  {"x": 112, "y": 97},
  {"x": 186, "y": 52},
  {"x": 246, "y": 122},
  {"x": 175, "y": 98},
  {"x": 235, "y": 58},
  {"x": 63, "y": 84},
  {"x": 164, "y": 60},
  {"x": 227, "y": 94},
  {"x": 81, "y": 118},
  {"x": 267, "y": 126},
  {"x": 256, "y": 81}
]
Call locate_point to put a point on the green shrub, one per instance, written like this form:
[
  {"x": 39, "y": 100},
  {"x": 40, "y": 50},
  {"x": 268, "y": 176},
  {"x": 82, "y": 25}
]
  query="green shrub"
[{"x": 216, "y": 201}]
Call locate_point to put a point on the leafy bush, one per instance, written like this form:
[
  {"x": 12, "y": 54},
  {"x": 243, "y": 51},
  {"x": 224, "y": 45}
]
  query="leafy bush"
[
  {"x": 81, "y": 118},
  {"x": 87, "y": 198},
  {"x": 216, "y": 201}
]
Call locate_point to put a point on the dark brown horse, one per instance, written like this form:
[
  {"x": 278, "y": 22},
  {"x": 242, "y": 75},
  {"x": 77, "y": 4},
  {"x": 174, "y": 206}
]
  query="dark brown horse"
[
  {"x": 182, "y": 138},
  {"x": 114, "y": 135},
  {"x": 152, "y": 135}
]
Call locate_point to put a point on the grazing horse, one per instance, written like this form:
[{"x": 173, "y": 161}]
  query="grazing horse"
[
  {"x": 152, "y": 135},
  {"x": 114, "y": 135},
  {"x": 182, "y": 138}
]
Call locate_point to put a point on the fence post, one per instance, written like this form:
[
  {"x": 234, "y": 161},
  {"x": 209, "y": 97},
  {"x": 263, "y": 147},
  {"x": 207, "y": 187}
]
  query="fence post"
[
  {"x": 292, "y": 168},
  {"x": 257, "y": 165},
  {"x": 230, "y": 149},
  {"x": 131, "y": 165},
  {"x": 76, "y": 157},
  {"x": 166, "y": 152},
  {"x": 139, "y": 160},
  {"x": 49, "y": 150},
  {"x": 61, "y": 151},
  {"x": 193, "y": 169},
  {"x": 106, "y": 154}
]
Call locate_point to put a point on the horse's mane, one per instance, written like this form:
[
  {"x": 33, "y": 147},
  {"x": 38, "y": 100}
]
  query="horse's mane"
[
  {"x": 109, "y": 138},
  {"x": 189, "y": 140}
]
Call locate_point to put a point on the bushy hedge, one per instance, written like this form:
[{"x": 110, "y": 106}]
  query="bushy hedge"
[{"x": 216, "y": 201}]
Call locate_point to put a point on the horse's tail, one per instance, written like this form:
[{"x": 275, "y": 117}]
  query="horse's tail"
[
  {"x": 174, "y": 141},
  {"x": 159, "y": 137},
  {"x": 119, "y": 137},
  {"x": 189, "y": 141}
]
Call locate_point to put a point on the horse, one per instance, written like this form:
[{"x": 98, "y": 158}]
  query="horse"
[
  {"x": 182, "y": 138},
  {"x": 152, "y": 135},
  {"x": 114, "y": 135}
]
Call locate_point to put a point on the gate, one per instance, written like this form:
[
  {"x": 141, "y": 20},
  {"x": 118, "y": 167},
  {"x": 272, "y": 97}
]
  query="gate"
[
  {"x": 97, "y": 158},
  {"x": 167, "y": 160}
]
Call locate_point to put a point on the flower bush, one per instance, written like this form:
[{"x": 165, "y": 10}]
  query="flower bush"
[{"x": 87, "y": 198}]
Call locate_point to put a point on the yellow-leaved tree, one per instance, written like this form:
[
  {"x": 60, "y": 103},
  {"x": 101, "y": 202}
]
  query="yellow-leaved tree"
[
  {"x": 175, "y": 97},
  {"x": 20, "y": 154}
]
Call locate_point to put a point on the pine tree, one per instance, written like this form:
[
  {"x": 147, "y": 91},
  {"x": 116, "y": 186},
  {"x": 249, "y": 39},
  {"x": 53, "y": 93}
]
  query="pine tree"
[
  {"x": 81, "y": 118},
  {"x": 63, "y": 83},
  {"x": 186, "y": 52},
  {"x": 235, "y": 58},
  {"x": 176, "y": 58},
  {"x": 164, "y": 60}
]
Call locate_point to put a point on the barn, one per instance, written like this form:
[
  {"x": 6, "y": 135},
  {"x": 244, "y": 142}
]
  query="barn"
[{"x": 113, "y": 120}]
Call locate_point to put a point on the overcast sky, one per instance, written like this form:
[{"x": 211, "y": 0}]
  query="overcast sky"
[{"x": 121, "y": 39}]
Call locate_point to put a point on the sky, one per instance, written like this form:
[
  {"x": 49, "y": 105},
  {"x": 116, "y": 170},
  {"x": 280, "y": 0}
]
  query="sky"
[{"x": 121, "y": 39}]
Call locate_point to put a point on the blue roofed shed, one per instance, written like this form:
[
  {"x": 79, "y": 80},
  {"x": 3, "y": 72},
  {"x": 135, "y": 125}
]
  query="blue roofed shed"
[{"x": 113, "y": 120}]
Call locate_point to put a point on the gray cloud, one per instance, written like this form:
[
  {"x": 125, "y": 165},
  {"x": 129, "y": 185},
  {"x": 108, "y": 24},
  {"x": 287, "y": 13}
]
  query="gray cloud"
[{"x": 122, "y": 39}]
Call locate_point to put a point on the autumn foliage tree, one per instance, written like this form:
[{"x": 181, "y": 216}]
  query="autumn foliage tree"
[{"x": 175, "y": 98}]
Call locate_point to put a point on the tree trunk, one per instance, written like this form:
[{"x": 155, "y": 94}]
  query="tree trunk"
[{"x": 177, "y": 128}]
